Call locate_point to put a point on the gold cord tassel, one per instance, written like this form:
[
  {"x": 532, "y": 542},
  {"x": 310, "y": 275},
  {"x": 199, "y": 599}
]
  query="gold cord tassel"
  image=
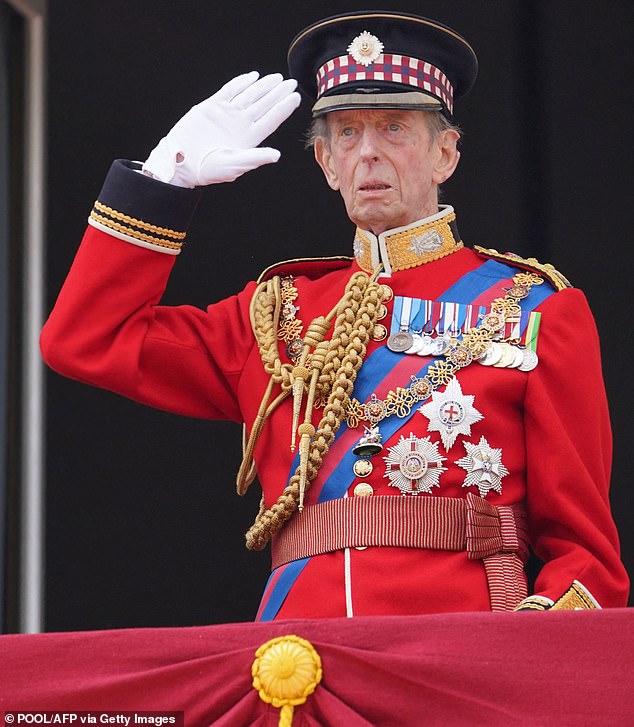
[
  {"x": 300, "y": 374},
  {"x": 306, "y": 432},
  {"x": 246, "y": 473}
]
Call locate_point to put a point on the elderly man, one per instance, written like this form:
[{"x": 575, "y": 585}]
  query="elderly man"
[{"x": 420, "y": 425}]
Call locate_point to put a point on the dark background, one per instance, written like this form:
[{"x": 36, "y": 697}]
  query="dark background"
[{"x": 143, "y": 524}]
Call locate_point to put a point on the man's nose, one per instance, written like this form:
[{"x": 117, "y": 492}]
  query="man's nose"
[{"x": 370, "y": 145}]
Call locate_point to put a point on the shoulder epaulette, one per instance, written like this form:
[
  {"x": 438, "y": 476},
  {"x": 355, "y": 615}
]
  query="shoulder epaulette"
[
  {"x": 546, "y": 270},
  {"x": 311, "y": 267}
]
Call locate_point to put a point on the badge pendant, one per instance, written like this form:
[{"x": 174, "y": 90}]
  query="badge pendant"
[
  {"x": 369, "y": 444},
  {"x": 414, "y": 465}
]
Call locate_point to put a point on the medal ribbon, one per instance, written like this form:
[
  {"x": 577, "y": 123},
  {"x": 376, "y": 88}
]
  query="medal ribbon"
[
  {"x": 336, "y": 473},
  {"x": 532, "y": 329},
  {"x": 429, "y": 307},
  {"x": 430, "y": 316}
]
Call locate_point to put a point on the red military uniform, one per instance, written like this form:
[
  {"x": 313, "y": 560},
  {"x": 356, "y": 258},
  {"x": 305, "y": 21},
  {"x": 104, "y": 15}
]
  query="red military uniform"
[{"x": 546, "y": 430}]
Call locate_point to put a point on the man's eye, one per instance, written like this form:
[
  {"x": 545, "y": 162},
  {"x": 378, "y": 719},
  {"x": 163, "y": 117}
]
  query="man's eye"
[
  {"x": 347, "y": 131},
  {"x": 395, "y": 127}
]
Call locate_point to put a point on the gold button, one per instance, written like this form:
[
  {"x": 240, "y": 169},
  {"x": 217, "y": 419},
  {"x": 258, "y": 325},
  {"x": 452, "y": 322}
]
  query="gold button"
[
  {"x": 381, "y": 313},
  {"x": 386, "y": 293},
  {"x": 363, "y": 489},
  {"x": 379, "y": 333},
  {"x": 362, "y": 467}
]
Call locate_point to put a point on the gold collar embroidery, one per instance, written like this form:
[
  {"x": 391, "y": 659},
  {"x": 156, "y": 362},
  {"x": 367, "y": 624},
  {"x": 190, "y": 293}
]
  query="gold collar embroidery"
[{"x": 407, "y": 247}]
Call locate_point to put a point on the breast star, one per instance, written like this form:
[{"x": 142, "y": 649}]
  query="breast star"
[{"x": 451, "y": 413}]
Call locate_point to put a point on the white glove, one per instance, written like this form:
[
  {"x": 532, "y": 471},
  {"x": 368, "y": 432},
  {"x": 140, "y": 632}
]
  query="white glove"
[{"x": 217, "y": 140}]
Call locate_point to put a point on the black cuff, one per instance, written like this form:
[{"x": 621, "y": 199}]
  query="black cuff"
[{"x": 137, "y": 207}]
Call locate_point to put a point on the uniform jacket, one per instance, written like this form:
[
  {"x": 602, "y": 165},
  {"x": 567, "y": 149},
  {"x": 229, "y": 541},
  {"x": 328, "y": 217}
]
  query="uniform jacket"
[{"x": 550, "y": 424}]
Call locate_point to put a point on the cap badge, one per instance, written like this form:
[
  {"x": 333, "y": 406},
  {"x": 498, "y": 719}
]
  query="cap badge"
[{"x": 365, "y": 48}]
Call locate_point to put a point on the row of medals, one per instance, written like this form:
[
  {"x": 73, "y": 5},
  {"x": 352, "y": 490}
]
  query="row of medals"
[{"x": 498, "y": 353}]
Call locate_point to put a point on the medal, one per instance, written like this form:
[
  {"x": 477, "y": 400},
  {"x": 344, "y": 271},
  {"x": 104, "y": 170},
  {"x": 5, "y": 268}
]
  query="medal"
[
  {"x": 425, "y": 345},
  {"x": 414, "y": 465},
  {"x": 413, "y": 349},
  {"x": 530, "y": 360},
  {"x": 507, "y": 357},
  {"x": 420, "y": 347},
  {"x": 400, "y": 341},
  {"x": 451, "y": 413},
  {"x": 439, "y": 346},
  {"x": 484, "y": 467},
  {"x": 492, "y": 354},
  {"x": 518, "y": 358}
]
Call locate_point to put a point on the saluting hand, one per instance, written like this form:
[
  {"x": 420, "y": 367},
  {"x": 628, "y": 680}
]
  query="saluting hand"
[{"x": 217, "y": 140}]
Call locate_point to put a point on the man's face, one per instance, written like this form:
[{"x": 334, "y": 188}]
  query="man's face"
[{"x": 386, "y": 165}]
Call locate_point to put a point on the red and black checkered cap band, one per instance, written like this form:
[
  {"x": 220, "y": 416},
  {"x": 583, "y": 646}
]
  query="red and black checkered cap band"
[{"x": 388, "y": 67}]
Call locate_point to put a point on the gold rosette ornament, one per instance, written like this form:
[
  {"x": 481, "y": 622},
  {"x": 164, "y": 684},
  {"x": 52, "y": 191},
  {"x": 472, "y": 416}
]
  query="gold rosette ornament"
[{"x": 286, "y": 671}]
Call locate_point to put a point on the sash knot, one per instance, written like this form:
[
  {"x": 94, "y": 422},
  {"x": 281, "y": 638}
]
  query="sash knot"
[{"x": 491, "y": 530}]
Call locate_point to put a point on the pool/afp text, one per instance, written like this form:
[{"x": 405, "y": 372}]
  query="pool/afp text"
[{"x": 96, "y": 717}]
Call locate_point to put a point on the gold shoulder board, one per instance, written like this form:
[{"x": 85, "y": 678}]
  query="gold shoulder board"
[
  {"x": 546, "y": 270},
  {"x": 312, "y": 267}
]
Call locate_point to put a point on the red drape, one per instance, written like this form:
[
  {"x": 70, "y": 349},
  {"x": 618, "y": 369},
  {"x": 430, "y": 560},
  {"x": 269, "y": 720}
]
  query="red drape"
[{"x": 447, "y": 669}]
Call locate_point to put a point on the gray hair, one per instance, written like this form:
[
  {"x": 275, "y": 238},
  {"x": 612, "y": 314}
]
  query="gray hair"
[{"x": 436, "y": 123}]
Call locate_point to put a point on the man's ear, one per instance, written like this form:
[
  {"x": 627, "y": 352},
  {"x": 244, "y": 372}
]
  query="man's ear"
[
  {"x": 324, "y": 158},
  {"x": 448, "y": 155}
]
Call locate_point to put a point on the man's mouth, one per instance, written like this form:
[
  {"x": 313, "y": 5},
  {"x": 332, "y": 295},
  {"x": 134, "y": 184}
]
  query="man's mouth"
[{"x": 373, "y": 187}]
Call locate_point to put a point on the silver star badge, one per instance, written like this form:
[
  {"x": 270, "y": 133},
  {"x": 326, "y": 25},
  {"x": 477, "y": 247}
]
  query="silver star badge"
[
  {"x": 484, "y": 467},
  {"x": 451, "y": 413},
  {"x": 414, "y": 465}
]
